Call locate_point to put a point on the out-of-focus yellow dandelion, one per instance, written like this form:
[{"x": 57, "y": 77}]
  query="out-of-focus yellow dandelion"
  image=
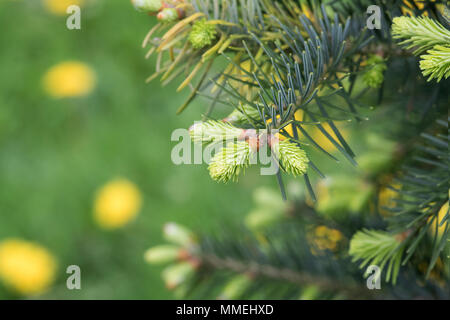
[
  {"x": 306, "y": 10},
  {"x": 298, "y": 115},
  {"x": 437, "y": 273},
  {"x": 59, "y": 7},
  {"x": 69, "y": 79},
  {"x": 441, "y": 228},
  {"x": 324, "y": 238},
  {"x": 117, "y": 203},
  {"x": 408, "y": 7},
  {"x": 386, "y": 199},
  {"x": 25, "y": 266},
  {"x": 323, "y": 140}
]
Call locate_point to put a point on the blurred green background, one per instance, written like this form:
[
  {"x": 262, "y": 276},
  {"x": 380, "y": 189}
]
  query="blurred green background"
[{"x": 56, "y": 153}]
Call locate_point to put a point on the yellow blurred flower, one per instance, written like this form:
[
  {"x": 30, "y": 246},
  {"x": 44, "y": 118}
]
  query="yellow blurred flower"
[
  {"x": 410, "y": 5},
  {"x": 117, "y": 203},
  {"x": 323, "y": 141},
  {"x": 25, "y": 266},
  {"x": 324, "y": 238},
  {"x": 69, "y": 79},
  {"x": 298, "y": 116},
  {"x": 306, "y": 10},
  {"x": 437, "y": 273},
  {"x": 386, "y": 199},
  {"x": 59, "y": 7},
  {"x": 441, "y": 228}
]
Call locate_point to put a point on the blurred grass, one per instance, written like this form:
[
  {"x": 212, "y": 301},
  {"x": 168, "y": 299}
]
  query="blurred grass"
[{"x": 55, "y": 154}]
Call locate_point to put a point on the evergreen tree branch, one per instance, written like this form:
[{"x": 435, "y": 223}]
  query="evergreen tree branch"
[{"x": 301, "y": 279}]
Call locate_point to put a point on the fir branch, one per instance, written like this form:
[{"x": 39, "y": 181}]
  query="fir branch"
[
  {"x": 291, "y": 156},
  {"x": 421, "y": 33},
  {"x": 282, "y": 255},
  {"x": 436, "y": 63},
  {"x": 214, "y": 132},
  {"x": 228, "y": 163},
  {"x": 380, "y": 249},
  {"x": 421, "y": 199},
  {"x": 301, "y": 279}
]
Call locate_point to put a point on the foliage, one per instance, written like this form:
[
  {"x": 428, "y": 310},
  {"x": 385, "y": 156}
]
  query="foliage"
[
  {"x": 426, "y": 35},
  {"x": 421, "y": 33},
  {"x": 436, "y": 63},
  {"x": 287, "y": 68},
  {"x": 377, "y": 248}
]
